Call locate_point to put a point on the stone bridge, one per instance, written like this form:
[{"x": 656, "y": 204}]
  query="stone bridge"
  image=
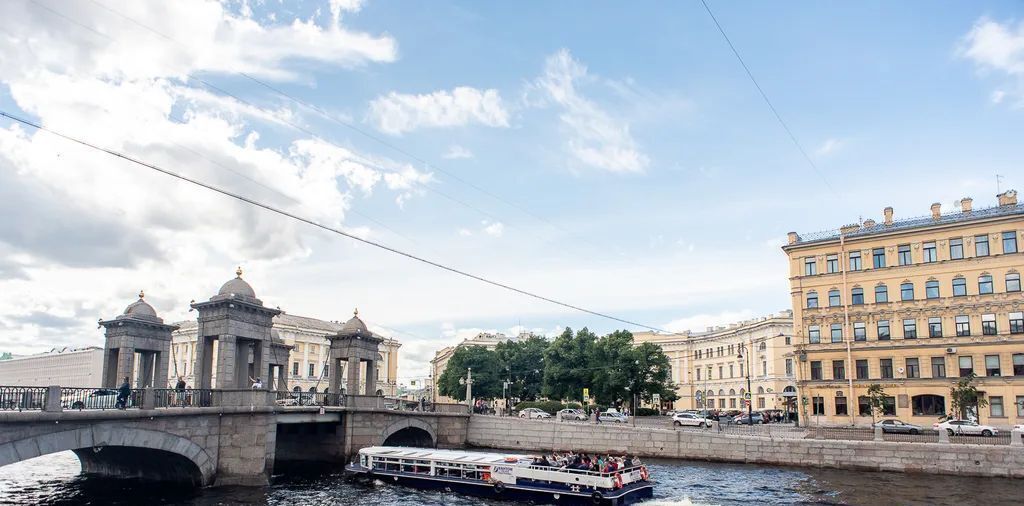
[{"x": 236, "y": 444}]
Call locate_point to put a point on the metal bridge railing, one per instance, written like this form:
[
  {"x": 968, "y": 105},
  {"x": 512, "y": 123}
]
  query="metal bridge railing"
[{"x": 15, "y": 398}]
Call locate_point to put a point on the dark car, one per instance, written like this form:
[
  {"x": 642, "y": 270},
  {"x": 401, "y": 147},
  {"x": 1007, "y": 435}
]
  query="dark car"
[
  {"x": 745, "y": 420},
  {"x": 894, "y": 426}
]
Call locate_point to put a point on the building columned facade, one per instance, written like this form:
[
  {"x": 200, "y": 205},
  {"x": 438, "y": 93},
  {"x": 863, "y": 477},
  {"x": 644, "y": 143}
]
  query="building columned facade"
[
  {"x": 911, "y": 305},
  {"x": 70, "y": 367},
  {"x": 710, "y": 368}
]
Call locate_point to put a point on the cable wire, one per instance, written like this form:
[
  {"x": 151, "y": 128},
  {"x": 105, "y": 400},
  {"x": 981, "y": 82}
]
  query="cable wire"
[{"x": 328, "y": 228}]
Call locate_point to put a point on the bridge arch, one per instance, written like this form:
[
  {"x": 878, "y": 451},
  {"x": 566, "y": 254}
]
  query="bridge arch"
[
  {"x": 113, "y": 449},
  {"x": 409, "y": 432}
]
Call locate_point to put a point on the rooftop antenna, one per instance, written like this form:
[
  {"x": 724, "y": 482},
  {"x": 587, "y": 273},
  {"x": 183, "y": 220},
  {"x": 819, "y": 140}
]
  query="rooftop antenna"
[{"x": 999, "y": 179}]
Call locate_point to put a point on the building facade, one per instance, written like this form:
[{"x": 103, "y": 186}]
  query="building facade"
[
  {"x": 710, "y": 368},
  {"x": 912, "y": 305},
  {"x": 69, "y": 367},
  {"x": 442, "y": 356}
]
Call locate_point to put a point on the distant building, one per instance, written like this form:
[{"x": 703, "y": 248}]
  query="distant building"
[
  {"x": 912, "y": 305},
  {"x": 709, "y": 370},
  {"x": 307, "y": 359},
  {"x": 441, "y": 358},
  {"x": 70, "y": 367}
]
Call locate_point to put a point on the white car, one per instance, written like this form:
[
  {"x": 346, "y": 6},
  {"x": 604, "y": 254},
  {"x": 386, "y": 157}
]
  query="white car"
[
  {"x": 572, "y": 414},
  {"x": 956, "y": 427},
  {"x": 614, "y": 417},
  {"x": 690, "y": 420},
  {"x": 534, "y": 413}
]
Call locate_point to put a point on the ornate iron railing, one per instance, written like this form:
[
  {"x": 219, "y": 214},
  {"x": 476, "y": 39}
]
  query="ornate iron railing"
[
  {"x": 15, "y": 398},
  {"x": 183, "y": 398},
  {"x": 100, "y": 398}
]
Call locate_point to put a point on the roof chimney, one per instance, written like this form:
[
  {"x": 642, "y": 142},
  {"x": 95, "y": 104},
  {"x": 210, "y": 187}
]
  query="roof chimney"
[
  {"x": 888, "y": 215},
  {"x": 965, "y": 204},
  {"x": 793, "y": 237},
  {"x": 846, "y": 229},
  {"x": 868, "y": 223},
  {"x": 936, "y": 211},
  {"x": 1008, "y": 198}
]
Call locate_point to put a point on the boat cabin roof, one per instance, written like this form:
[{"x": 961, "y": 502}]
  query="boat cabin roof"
[{"x": 443, "y": 455}]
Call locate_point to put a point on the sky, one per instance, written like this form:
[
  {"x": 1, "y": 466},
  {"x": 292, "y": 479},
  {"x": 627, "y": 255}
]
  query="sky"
[{"x": 613, "y": 156}]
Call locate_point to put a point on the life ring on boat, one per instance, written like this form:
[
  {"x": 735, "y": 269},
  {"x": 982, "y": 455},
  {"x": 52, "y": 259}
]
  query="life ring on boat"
[
  {"x": 618, "y": 480},
  {"x": 596, "y": 497},
  {"x": 485, "y": 476},
  {"x": 643, "y": 473},
  {"x": 499, "y": 487},
  {"x": 511, "y": 459}
]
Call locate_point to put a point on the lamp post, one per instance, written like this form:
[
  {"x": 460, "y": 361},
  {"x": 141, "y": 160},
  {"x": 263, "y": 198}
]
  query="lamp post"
[
  {"x": 706, "y": 378},
  {"x": 750, "y": 405}
]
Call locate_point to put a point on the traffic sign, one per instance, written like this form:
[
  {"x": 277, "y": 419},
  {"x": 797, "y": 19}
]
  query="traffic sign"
[
  {"x": 586, "y": 393},
  {"x": 747, "y": 396}
]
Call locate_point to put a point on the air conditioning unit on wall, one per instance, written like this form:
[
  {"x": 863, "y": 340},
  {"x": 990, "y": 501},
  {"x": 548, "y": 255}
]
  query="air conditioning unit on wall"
[{"x": 951, "y": 350}]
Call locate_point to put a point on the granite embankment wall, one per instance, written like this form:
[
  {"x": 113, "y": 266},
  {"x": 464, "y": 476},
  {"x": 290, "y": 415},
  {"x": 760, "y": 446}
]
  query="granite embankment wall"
[{"x": 937, "y": 458}]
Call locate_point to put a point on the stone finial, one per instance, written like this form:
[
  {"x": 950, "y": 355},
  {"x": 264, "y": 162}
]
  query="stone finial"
[
  {"x": 142, "y": 294},
  {"x": 1007, "y": 198},
  {"x": 238, "y": 271},
  {"x": 936, "y": 211},
  {"x": 888, "y": 215},
  {"x": 355, "y": 312},
  {"x": 965, "y": 204}
]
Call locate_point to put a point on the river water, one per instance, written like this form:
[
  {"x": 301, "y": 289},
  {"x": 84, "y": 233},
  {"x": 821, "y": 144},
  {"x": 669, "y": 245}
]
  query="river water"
[{"x": 55, "y": 479}]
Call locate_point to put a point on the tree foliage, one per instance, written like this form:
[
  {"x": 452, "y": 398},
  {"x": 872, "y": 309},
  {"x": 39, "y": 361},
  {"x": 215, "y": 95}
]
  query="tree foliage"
[
  {"x": 523, "y": 362},
  {"x": 486, "y": 378},
  {"x": 567, "y": 362},
  {"x": 876, "y": 400},
  {"x": 964, "y": 395}
]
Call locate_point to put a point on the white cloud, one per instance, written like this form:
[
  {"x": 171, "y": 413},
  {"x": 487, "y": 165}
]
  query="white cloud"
[
  {"x": 700, "y": 322},
  {"x": 397, "y": 113},
  {"x": 999, "y": 48},
  {"x": 829, "y": 146},
  {"x": 495, "y": 229},
  {"x": 456, "y": 152},
  {"x": 465, "y": 232},
  {"x": 594, "y": 137}
]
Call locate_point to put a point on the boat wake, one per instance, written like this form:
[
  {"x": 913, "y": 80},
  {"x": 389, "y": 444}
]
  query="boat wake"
[{"x": 685, "y": 501}]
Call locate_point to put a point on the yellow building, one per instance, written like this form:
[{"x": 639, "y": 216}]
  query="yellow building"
[
  {"x": 710, "y": 368},
  {"x": 911, "y": 305}
]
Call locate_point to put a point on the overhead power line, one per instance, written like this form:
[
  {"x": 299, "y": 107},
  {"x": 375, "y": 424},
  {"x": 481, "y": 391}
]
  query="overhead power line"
[
  {"x": 764, "y": 96},
  {"x": 328, "y": 228}
]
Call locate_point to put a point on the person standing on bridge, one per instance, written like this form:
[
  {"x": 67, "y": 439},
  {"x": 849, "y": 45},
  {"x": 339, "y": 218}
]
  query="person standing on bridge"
[
  {"x": 257, "y": 383},
  {"x": 123, "y": 393},
  {"x": 180, "y": 387}
]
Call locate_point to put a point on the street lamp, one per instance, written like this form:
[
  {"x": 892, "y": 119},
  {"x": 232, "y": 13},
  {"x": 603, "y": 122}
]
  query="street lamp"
[{"x": 750, "y": 404}]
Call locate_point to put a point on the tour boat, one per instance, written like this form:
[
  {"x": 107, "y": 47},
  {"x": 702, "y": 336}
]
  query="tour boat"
[{"x": 499, "y": 475}]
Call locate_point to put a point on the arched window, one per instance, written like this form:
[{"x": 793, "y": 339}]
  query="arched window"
[
  {"x": 327, "y": 390},
  {"x": 721, "y": 392},
  {"x": 881, "y": 293},
  {"x": 928, "y": 405},
  {"x": 296, "y": 389},
  {"x": 931, "y": 289},
  {"x": 857, "y": 296},
  {"x": 711, "y": 393},
  {"x": 312, "y": 390},
  {"x": 732, "y": 391},
  {"x": 760, "y": 390},
  {"x": 763, "y": 346},
  {"x": 907, "y": 291},
  {"x": 742, "y": 391},
  {"x": 833, "y": 298},
  {"x": 984, "y": 284},
  {"x": 812, "y": 299},
  {"x": 959, "y": 286},
  {"x": 1013, "y": 282},
  {"x": 789, "y": 390}
]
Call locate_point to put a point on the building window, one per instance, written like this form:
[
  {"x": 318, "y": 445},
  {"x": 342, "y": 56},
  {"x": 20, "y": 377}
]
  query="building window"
[
  {"x": 938, "y": 367},
  {"x": 956, "y": 248},
  {"x": 929, "y": 252},
  {"x": 1013, "y": 282},
  {"x": 1009, "y": 242},
  {"x": 904, "y": 254},
  {"x": 992, "y": 365},
  {"x": 981, "y": 245},
  {"x": 913, "y": 368},
  {"x": 731, "y": 370},
  {"x": 841, "y": 405},
  {"x": 860, "y": 331},
  {"x": 862, "y": 369},
  {"x": 857, "y": 296},
  {"x": 881, "y": 293},
  {"x": 966, "y": 366},
  {"x": 327, "y": 371},
  {"x": 963, "y": 326},
  {"x": 838, "y": 369},
  {"x": 885, "y": 368},
  {"x": 295, "y": 368},
  {"x": 907, "y": 291},
  {"x": 855, "y": 261},
  {"x": 910, "y": 329},
  {"x": 833, "y": 298},
  {"x": 698, "y": 374},
  {"x": 721, "y": 372},
  {"x": 836, "y": 331},
  {"x": 1020, "y": 406},
  {"x": 732, "y": 402},
  {"x": 988, "y": 325},
  {"x": 764, "y": 368},
  {"x": 928, "y": 405},
  {"x": 789, "y": 340},
  {"x": 812, "y": 300},
  {"x": 934, "y": 327},
  {"x": 815, "y": 369},
  {"x": 883, "y": 330},
  {"x": 1018, "y": 364},
  {"x": 789, "y": 366},
  {"x": 984, "y": 284},
  {"x": 931, "y": 289},
  {"x": 995, "y": 403},
  {"x": 312, "y": 370},
  {"x": 819, "y": 405},
  {"x": 832, "y": 264},
  {"x": 889, "y": 406},
  {"x": 1017, "y": 322},
  {"x": 878, "y": 258},
  {"x": 959, "y": 287},
  {"x": 810, "y": 266},
  {"x": 863, "y": 406},
  {"x": 760, "y": 403}
]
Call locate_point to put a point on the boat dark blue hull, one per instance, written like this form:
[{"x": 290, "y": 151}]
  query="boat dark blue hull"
[{"x": 536, "y": 493}]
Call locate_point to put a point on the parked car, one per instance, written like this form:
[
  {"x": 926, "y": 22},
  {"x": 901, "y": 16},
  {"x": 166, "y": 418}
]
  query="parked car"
[
  {"x": 690, "y": 420},
  {"x": 572, "y": 414},
  {"x": 894, "y": 426},
  {"x": 101, "y": 398},
  {"x": 614, "y": 417},
  {"x": 966, "y": 427},
  {"x": 745, "y": 419},
  {"x": 534, "y": 413}
]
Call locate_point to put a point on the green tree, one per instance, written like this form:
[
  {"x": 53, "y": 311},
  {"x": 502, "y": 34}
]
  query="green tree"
[
  {"x": 964, "y": 395},
  {"x": 486, "y": 381},
  {"x": 522, "y": 363},
  {"x": 876, "y": 400},
  {"x": 567, "y": 362},
  {"x": 6, "y": 356},
  {"x": 624, "y": 372}
]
